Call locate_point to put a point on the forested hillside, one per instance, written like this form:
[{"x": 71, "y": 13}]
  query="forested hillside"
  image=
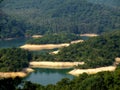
[
  {"x": 53, "y": 16},
  {"x": 95, "y": 52},
  {"x": 112, "y": 3},
  {"x": 10, "y": 27},
  {"x": 14, "y": 59},
  {"x": 54, "y": 38},
  {"x": 16, "y": 28}
]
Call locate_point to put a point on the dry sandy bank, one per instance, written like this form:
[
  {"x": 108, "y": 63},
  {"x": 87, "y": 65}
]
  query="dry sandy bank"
[
  {"x": 55, "y": 52},
  {"x": 23, "y": 73},
  {"x": 89, "y": 35},
  {"x": 44, "y": 46},
  {"x": 77, "y": 72},
  {"x": 47, "y": 64},
  {"x": 36, "y": 36},
  {"x": 117, "y": 59},
  {"x": 33, "y": 47},
  {"x": 77, "y": 41}
]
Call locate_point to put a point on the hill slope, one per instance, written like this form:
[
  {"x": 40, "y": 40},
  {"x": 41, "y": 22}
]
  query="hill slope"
[
  {"x": 53, "y": 16},
  {"x": 95, "y": 52}
]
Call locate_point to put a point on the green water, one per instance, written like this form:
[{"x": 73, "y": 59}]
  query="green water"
[{"x": 46, "y": 76}]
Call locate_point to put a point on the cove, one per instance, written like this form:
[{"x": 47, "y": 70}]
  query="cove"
[{"x": 45, "y": 76}]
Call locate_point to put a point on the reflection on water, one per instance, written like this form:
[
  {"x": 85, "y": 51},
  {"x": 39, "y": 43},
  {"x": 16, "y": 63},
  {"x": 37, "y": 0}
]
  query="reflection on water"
[{"x": 48, "y": 76}]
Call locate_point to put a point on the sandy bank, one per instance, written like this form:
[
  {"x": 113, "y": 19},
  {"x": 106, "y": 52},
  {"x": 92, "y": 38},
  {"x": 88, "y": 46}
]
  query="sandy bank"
[
  {"x": 54, "y": 52},
  {"x": 36, "y": 36},
  {"x": 47, "y": 64},
  {"x": 44, "y": 46},
  {"x": 89, "y": 35},
  {"x": 23, "y": 73},
  {"x": 33, "y": 47},
  {"x": 77, "y": 72},
  {"x": 77, "y": 41},
  {"x": 117, "y": 59}
]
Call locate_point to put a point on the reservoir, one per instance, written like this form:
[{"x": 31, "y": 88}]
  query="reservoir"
[{"x": 43, "y": 76}]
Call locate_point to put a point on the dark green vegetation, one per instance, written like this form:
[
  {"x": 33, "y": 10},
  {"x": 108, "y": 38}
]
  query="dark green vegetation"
[
  {"x": 95, "y": 52},
  {"x": 54, "y": 38},
  {"x": 53, "y": 16},
  {"x": 10, "y": 28},
  {"x": 112, "y": 3},
  {"x": 99, "y": 81},
  {"x": 10, "y": 83},
  {"x": 14, "y": 59}
]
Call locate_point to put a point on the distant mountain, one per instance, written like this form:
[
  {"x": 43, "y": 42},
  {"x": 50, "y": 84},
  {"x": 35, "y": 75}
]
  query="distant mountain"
[{"x": 53, "y": 16}]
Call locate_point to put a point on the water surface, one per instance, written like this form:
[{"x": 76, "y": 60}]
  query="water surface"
[
  {"x": 45, "y": 76},
  {"x": 12, "y": 43}
]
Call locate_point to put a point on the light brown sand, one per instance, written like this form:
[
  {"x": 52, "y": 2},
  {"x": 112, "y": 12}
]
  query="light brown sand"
[
  {"x": 49, "y": 64},
  {"x": 23, "y": 73},
  {"x": 41, "y": 47},
  {"x": 77, "y": 72},
  {"x": 89, "y": 35},
  {"x": 77, "y": 41},
  {"x": 54, "y": 52},
  {"x": 36, "y": 36},
  {"x": 117, "y": 59}
]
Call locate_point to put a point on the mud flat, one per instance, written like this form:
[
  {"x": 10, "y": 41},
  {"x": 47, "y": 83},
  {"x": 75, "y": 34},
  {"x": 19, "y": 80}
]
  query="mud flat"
[
  {"x": 89, "y": 35},
  {"x": 47, "y": 64},
  {"x": 22, "y": 74},
  {"x": 77, "y": 72}
]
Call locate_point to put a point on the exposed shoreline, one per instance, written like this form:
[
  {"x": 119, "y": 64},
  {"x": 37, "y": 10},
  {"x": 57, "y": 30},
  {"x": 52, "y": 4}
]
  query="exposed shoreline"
[
  {"x": 89, "y": 35},
  {"x": 44, "y": 46},
  {"x": 21, "y": 74},
  {"x": 77, "y": 72},
  {"x": 37, "y": 36},
  {"x": 48, "y": 64},
  {"x": 35, "y": 47}
]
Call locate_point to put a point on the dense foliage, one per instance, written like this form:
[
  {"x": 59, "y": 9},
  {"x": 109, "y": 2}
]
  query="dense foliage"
[
  {"x": 95, "y": 52},
  {"x": 54, "y": 38},
  {"x": 9, "y": 83},
  {"x": 111, "y": 3},
  {"x": 53, "y": 16},
  {"x": 10, "y": 27},
  {"x": 14, "y": 59}
]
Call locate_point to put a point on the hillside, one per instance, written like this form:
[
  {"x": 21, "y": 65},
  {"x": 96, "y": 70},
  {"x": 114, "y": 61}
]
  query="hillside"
[
  {"x": 53, "y": 16},
  {"x": 54, "y": 39},
  {"x": 111, "y": 3},
  {"x": 95, "y": 52},
  {"x": 14, "y": 59},
  {"x": 10, "y": 27}
]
